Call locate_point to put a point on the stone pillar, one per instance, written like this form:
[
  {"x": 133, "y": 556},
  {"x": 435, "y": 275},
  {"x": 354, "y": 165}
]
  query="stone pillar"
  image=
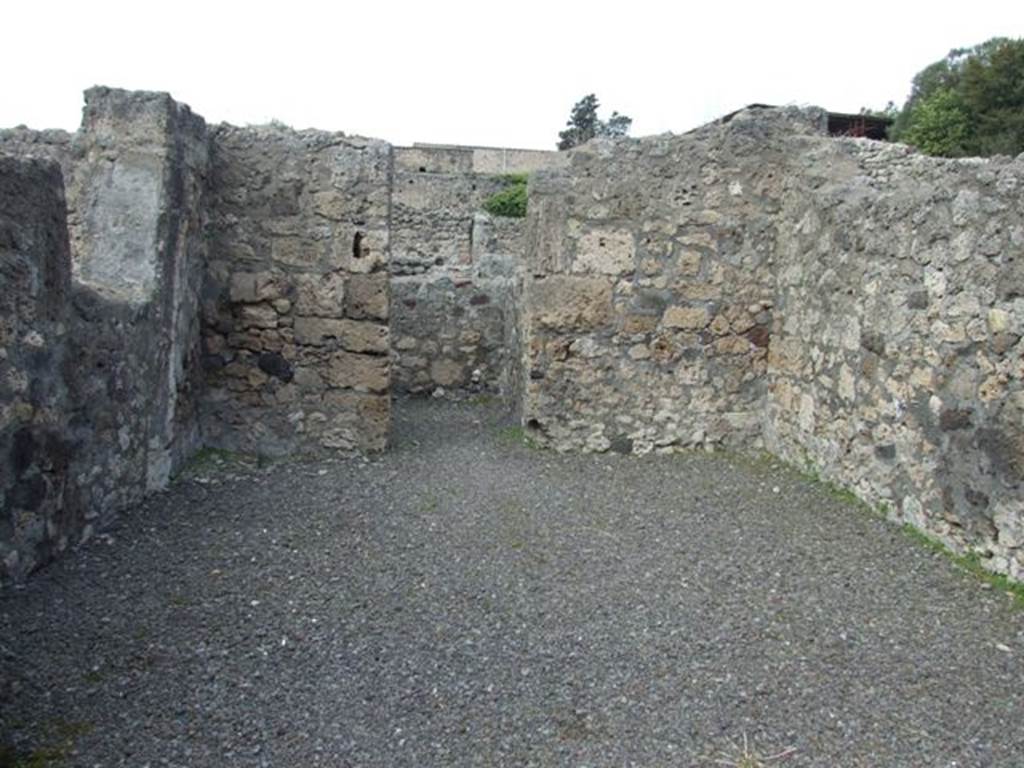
[{"x": 138, "y": 186}]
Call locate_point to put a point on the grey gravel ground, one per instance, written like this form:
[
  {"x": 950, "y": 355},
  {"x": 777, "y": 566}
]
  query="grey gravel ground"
[{"x": 465, "y": 600}]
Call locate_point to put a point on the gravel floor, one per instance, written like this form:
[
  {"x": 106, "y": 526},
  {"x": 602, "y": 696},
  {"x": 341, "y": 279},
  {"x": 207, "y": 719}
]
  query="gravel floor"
[{"x": 465, "y": 600}]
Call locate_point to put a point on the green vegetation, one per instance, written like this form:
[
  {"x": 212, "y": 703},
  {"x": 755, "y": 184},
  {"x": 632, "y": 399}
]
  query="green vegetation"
[
  {"x": 510, "y": 201},
  {"x": 970, "y": 103},
  {"x": 584, "y": 124},
  {"x": 940, "y": 125},
  {"x": 518, "y": 435},
  {"x": 971, "y": 563}
]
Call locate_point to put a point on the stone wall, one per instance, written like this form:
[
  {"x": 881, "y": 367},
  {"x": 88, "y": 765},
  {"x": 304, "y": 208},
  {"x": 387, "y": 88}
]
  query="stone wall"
[
  {"x": 898, "y": 368},
  {"x": 453, "y": 266},
  {"x": 649, "y": 304},
  {"x": 297, "y": 299},
  {"x": 125, "y": 394},
  {"x": 35, "y": 272},
  {"x": 849, "y": 305},
  {"x": 138, "y": 207}
]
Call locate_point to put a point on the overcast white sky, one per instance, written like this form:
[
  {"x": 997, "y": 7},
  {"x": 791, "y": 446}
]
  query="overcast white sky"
[{"x": 477, "y": 72}]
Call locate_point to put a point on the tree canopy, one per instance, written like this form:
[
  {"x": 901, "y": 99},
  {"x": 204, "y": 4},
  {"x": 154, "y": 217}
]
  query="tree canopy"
[
  {"x": 584, "y": 124},
  {"x": 969, "y": 103}
]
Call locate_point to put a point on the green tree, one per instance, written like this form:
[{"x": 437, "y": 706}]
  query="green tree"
[
  {"x": 993, "y": 92},
  {"x": 969, "y": 103},
  {"x": 584, "y": 124},
  {"x": 940, "y": 125}
]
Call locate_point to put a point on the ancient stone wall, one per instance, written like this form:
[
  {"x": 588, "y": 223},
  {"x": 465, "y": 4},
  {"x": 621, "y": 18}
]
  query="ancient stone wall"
[
  {"x": 136, "y": 196},
  {"x": 128, "y": 329},
  {"x": 51, "y": 144},
  {"x": 453, "y": 266},
  {"x": 649, "y": 306},
  {"x": 898, "y": 368},
  {"x": 35, "y": 270},
  {"x": 849, "y": 305},
  {"x": 297, "y": 300}
]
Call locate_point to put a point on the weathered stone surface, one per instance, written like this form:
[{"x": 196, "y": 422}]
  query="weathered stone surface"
[
  {"x": 353, "y": 335},
  {"x": 655, "y": 354},
  {"x": 115, "y": 367},
  {"x": 937, "y": 381},
  {"x": 320, "y": 295},
  {"x": 367, "y": 296},
  {"x": 752, "y": 284},
  {"x": 364, "y": 373},
  {"x": 688, "y": 319},
  {"x": 571, "y": 303},
  {"x": 605, "y": 251},
  {"x": 839, "y": 309},
  {"x": 35, "y": 270},
  {"x": 298, "y": 290},
  {"x": 445, "y": 372},
  {"x": 455, "y": 268}
]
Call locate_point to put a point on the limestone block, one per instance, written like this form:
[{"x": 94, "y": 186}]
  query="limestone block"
[
  {"x": 606, "y": 252},
  {"x": 317, "y": 331},
  {"x": 362, "y": 336},
  {"x": 720, "y": 325},
  {"x": 364, "y": 373},
  {"x": 685, "y": 318},
  {"x": 320, "y": 295},
  {"x": 998, "y": 321},
  {"x": 639, "y": 324},
  {"x": 689, "y": 263},
  {"x": 353, "y": 335},
  {"x": 258, "y": 316},
  {"x": 566, "y": 303},
  {"x": 255, "y": 287},
  {"x": 731, "y": 345},
  {"x": 367, "y": 296}
]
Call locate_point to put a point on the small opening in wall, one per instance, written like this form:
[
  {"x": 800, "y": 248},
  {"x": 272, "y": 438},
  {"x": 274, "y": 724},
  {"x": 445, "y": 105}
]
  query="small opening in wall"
[
  {"x": 423, "y": 169},
  {"x": 357, "y": 246},
  {"x": 532, "y": 424}
]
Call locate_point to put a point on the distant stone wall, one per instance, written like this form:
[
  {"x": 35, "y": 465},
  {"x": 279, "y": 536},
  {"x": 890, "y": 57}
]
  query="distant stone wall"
[
  {"x": 898, "y": 368},
  {"x": 297, "y": 298},
  {"x": 116, "y": 373},
  {"x": 453, "y": 266},
  {"x": 649, "y": 303}
]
